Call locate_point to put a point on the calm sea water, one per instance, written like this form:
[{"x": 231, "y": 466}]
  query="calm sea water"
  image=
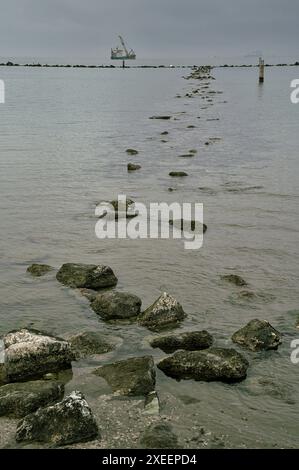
[{"x": 62, "y": 149}]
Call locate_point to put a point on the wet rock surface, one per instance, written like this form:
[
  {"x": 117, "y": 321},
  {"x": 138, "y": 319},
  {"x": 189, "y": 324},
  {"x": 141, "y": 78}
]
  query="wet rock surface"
[
  {"x": 30, "y": 353},
  {"x": 19, "y": 399},
  {"x": 117, "y": 305},
  {"x": 220, "y": 364},
  {"x": 88, "y": 276},
  {"x": 159, "y": 436},
  {"x": 38, "y": 270},
  {"x": 165, "y": 312},
  {"x": 66, "y": 422},
  {"x": 132, "y": 152},
  {"x": 178, "y": 174},
  {"x": 134, "y": 376},
  {"x": 133, "y": 167},
  {"x": 258, "y": 335},
  {"x": 189, "y": 341}
]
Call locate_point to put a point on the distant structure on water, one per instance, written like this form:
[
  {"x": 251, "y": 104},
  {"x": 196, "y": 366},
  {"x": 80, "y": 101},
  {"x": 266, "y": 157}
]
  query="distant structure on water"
[{"x": 122, "y": 53}]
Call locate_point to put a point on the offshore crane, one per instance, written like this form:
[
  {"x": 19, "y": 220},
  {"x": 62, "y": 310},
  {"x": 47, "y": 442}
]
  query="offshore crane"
[{"x": 122, "y": 53}]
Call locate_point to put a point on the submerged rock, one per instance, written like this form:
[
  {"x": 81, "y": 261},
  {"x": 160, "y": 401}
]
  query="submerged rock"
[
  {"x": 116, "y": 305},
  {"x": 189, "y": 341},
  {"x": 258, "y": 335},
  {"x": 89, "y": 276},
  {"x": 186, "y": 155},
  {"x": 178, "y": 173},
  {"x": 214, "y": 364},
  {"x": 66, "y": 422},
  {"x": 165, "y": 312},
  {"x": 38, "y": 270},
  {"x": 19, "y": 399},
  {"x": 132, "y": 151},
  {"x": 188, "y": 224},
  {"x": 165, "y": 133},
  {"x": 30, "y": 353},
  {"x": 234, "y": 279},
  {"x": 134, "y": 376},
  {"x": 159, "y": 436},
  {"x": 133, "y": 167},
  {"x": 89, "y": 343}
]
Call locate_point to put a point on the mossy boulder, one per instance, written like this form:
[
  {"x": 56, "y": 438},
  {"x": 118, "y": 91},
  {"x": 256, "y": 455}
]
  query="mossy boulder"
[
  {"x": 258, "y": 335},
  {"x": 117, "y": 305},
  {"x": 165, "y": 312},
  {"x": 213, "y": 364},
  {"x": 19, "y": 399},
  {"x": 189, "y": 341},
  {"x": 88, "y": 276},
  {"x": 67, "y": 422},
  {"x": 135, "y": 376}
]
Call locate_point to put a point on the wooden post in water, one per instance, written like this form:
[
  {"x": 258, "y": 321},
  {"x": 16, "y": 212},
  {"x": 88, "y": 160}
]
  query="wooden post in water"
[
  {"x": 124, "y": 64},
  {"x": 261, "y": 70}
]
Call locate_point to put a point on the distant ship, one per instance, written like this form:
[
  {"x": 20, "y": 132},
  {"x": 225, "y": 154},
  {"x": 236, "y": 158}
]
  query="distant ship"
[{"x": 122, "y": 53}]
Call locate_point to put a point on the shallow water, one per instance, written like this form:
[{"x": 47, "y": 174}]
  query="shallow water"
[{"x": 62, "y": 149}]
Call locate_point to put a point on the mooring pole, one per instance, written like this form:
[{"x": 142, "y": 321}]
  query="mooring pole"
[
  {"x": 261, "y": 70},
  {"x": 124, "y": 64}
]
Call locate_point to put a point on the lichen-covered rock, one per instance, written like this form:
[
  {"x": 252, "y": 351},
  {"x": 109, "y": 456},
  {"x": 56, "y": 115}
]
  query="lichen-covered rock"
[
  {"x": 159, "y": 436},
  {"x": 19, "y": 399},
  {"x": 234, "y": 279},
  {"x": 66, "y": 422},
  {"x": 135, "y": 376},
  {"x": 88, "y": 276},
  {"x": 31, "y": 354},
  {"x": 165, "y": 312},
  {"x": 189, "y": 341},
  {"x": 116, "y": 305},
  {"x": 89, "y": 343},
  {"x": 184, "y": 224},
  {"x": 38, "y": 270},
  {"x": 258, "y": 335},
  {"x": 214, "y": 364}
]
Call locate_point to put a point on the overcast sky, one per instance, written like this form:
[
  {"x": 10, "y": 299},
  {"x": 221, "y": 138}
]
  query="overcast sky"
[{"x": 154, "y": 28}]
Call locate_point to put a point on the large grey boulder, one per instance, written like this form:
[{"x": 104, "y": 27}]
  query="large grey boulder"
[
  {"x": 89, "y": 343},
  {"x": 189, "y": 341},
  {"x": 135, "y": 376},
  {"x": 66, "y": 422},
  {"x": 258, "y": 335},
  {"x": 214, "y": 364},
  {"x": 20, "y": 399},
  {"x": 88, "y": 276},
  {"x": 159, "y": 436},
  {"x": 116, "y": 305},
  {"x": 165, "y": 312},
  {"x": 31, "y": 354}
]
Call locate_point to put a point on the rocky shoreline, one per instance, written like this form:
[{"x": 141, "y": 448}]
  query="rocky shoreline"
[{"x": 36, "y": 411}]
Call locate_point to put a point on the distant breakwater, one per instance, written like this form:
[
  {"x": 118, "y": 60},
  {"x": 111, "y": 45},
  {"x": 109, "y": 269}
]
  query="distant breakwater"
[{"x": 12, "y": 64}]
